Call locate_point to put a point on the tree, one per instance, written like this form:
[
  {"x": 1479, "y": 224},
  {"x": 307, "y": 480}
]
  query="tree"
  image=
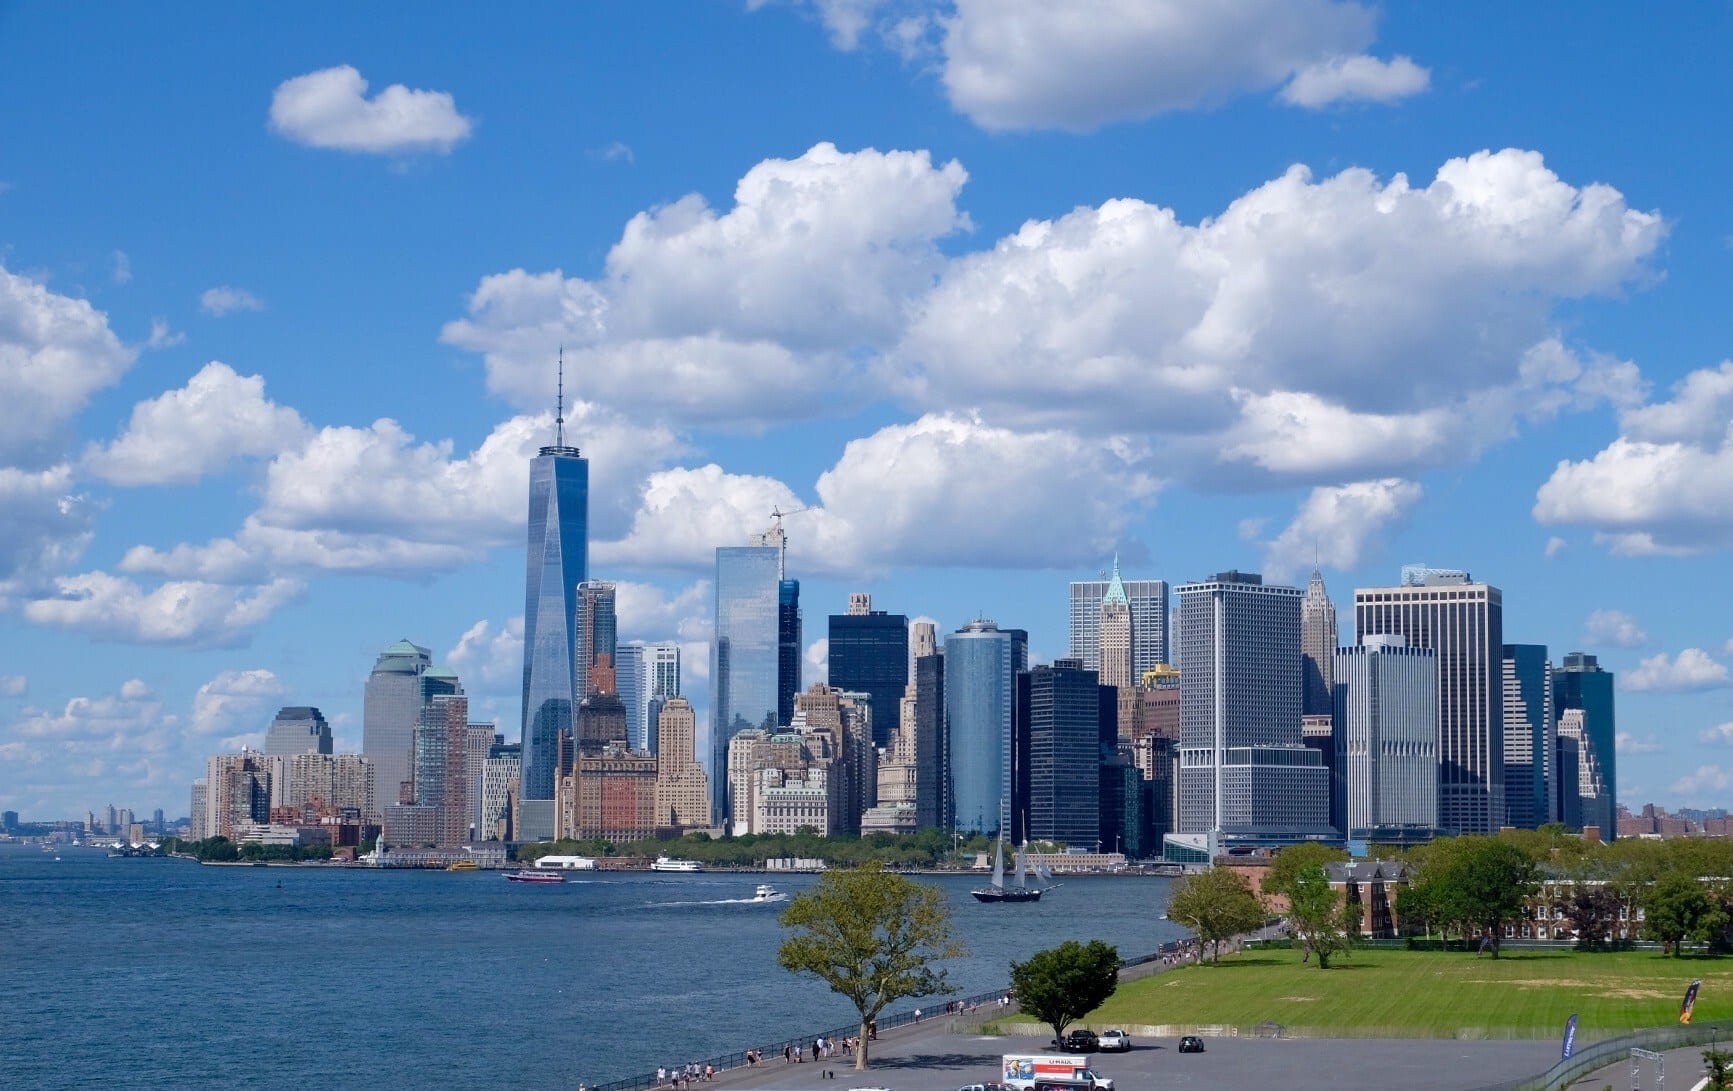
[
  {"x": 1718, "y": 1064},
  {"x": 1064, "y": 983},
  {"x": 1290, "y": 861},
  {"x": 872, "y": 936},
  {"x": 1595, "y": 912},
  {"x": 1217, "y": 905},
  {"x": 1322, "y": 920},
  {"x": 1677, "y": 908},
  {"x": 1475, "y": 885}
]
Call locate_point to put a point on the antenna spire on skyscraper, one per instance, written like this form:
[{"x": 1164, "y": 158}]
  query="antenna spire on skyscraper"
[{"x": 560, "y": 404}]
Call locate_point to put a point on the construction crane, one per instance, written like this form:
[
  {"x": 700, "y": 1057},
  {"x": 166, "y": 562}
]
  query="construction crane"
[{"x": 777, "y": 537}]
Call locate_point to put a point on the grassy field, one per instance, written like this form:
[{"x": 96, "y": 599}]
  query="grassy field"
[{"x": 1428, "y": 994}]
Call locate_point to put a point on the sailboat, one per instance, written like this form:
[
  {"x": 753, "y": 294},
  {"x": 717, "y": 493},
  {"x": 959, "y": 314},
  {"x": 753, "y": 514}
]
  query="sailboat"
[{"x": 998, "y": 891}]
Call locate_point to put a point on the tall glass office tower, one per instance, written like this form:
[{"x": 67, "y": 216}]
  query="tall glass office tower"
[
  {"x": 981, "y": 666},
  {"x": 556, "y": 563},
  {"x": 390, "y": 711},
  {"x": 1148, "y": 602},
  {"x": 1529, "y": 730},
  {"x": 1581, "y": 686},
  {"x": 596, "y": 631},
  {"x": 869, "y": 653},
  {"x": 744, "y": 659},
  {"x": 789, "y": 653}
]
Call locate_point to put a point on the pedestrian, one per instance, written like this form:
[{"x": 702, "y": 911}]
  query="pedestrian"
[
  {"x": 787, "y": 1052},
  {"x": 709, "y": 1073},
  {"x": 815, "y": 1051},
  {"x": 661, "y": 1076},
  {"x": 917, "y": 1015}
]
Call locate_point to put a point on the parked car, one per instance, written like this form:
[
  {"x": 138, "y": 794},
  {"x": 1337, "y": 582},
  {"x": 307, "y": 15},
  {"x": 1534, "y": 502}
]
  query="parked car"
[
  {"x": 1191, "y": 1043},
  {"x": 983, "y": 1087},
  {"x": 1114, "y": 1041},
  {"x": 1081, "y": 1041}
]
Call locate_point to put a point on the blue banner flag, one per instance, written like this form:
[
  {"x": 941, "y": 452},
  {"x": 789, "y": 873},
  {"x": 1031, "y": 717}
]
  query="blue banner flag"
[
  {"x": 1570, "y": 1038},
  {"x": 1690, "y": 1001}
]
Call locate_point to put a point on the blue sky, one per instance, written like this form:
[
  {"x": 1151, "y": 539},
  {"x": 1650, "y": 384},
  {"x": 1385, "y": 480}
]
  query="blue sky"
[{"x": 995, "y": 287}]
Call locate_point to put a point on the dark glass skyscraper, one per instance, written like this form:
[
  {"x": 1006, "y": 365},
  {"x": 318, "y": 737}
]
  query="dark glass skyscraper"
[
  {"x": 556, "y": 563},
  {"x": 788, "y": 650},
  {"x": 1529, "y": 754},
  {"x": 869, "y": 653},
  {"x": 1583, "y": 703},
  {"x": 595, "y": 632},
  {"x": 1061, "y": 708}
]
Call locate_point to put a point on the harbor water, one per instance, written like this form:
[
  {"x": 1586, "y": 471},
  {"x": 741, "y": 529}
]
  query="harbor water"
[{"x": 161, "y": 973}]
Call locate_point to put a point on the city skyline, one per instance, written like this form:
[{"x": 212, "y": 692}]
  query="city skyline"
[{"x": 276, "y": 408}]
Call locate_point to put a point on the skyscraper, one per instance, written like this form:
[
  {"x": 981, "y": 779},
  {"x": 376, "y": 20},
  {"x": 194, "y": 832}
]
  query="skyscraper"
[
  {"x": 1059, "y": 708},
  {"x": 1243, "y": 769},
  {"x": 789, "y": 653},
  {"x": 682, "y": 792},
  {"x": 390, "y": 711},
  {"x": 1579, "y": 685},
  {"x": 556, "y": 562},
  {"x": 1115, "y": 646},
  {"x": 1318, "y": 646},
  {"x": 441, "y": 765},
  {"x": 744, "y": 659},
  {"x": 647, "y": 676},
  {"x": 932, "y": 748},
  {"x": 869, "y": 653},
  {"x": 981, "y": 666},
  {"x": 595, "y": 631},
  {"x": 1386, "y": 739},
  {"x": 1148, "y": 602},
  {"x": 298, "y": 729},
  {"x": 1529, "y": 758},
  {"x": 1463, "y": 622}
]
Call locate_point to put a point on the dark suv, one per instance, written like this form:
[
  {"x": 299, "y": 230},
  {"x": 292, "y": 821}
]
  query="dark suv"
[{"x": 1081, "y": 1041}]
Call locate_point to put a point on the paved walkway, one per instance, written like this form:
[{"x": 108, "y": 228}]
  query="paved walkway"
[{"x": 930, "y": 1058}]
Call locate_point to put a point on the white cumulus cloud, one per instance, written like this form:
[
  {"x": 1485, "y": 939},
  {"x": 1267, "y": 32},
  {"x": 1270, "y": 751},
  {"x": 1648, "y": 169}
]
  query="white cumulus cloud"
[
  {"x": 226, "y": 300},
  {"x": 47, "y": 526},
  {"x": 1616, "y": 628},
  {"x": 1626, "y": 743},
  {"x": 55, "y": 353},
  {"x": 490, "y": 658},
  {"x": 1337, "y": 524},
  {"x": 330, "y": 109},
  {"x": 1665, "y": 485},
  {"x": 13, "y": 685},
  {"x": 1693, "y": 669},
  {"x": 184, "y": 434},
  {"x": 730, "y": 317},
  {"x": 1720, "y": 733},
  {"x": 176, "y": 613},
  {"x": 236, "y": 701},
  {"x": 1707, "y": 778},
  {"x": 1355, "y": 79}
]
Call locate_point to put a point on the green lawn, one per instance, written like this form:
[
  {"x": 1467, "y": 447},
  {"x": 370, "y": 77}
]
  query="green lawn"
[{"x": 1427, "y": 994}]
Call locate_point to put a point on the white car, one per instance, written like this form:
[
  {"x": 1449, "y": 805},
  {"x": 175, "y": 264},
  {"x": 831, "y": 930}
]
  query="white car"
[{"x": 1114, "y": 1041}]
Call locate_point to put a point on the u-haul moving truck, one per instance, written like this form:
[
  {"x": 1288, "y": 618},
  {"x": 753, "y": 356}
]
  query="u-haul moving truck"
[{"x": 1023, "y": 1069}]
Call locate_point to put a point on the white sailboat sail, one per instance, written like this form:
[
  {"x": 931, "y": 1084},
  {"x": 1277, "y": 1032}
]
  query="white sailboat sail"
[{"x": 999, "y": 867}]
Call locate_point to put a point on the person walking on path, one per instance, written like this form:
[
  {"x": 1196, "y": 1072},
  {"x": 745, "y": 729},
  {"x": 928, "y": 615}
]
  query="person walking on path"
[{"x": 787, "y": 1052}]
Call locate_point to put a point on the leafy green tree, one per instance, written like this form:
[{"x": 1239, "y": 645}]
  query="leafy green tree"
[
  {"x": 873, "y": 937},
  {"x": 1474, "y": 885},
  {"x": 1322, "y": 920},
  {"x": 1216, "y": 905},
  {"x": 1677, "y": 908},
  {"x": 1062, "y": 984},
  {"x": 1290, "y": 861}
]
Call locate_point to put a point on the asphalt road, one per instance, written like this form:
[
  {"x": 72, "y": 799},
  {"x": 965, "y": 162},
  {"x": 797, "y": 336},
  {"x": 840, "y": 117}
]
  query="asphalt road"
[{"x": 928, "y": 1058}]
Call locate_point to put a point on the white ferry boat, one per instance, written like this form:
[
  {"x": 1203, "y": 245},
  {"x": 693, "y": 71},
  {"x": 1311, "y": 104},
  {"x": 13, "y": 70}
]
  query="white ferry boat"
[
  {"x": 668, "y": 863},
  {"x": 768, "y": 893},
  {"x": 567, "y": 863}
]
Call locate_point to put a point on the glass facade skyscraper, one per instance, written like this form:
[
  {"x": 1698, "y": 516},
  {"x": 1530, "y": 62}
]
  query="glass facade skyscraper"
[
  {"x": 1060, "y": 711},
  {"x": 788, "y": 650},
  {"x": 298, "y": 729},
  {"x": 869, "y": 653},
  {"x": 556, "y": 563},
  {"x": 391, "y": 709},
  {"x": 982, "y": 662},
  {"x": 745, "y": 656},
  {"x": 1529, "y": 758},
  {"x": 595, "y": 631},
  {"x": 1580, "y": 685}
]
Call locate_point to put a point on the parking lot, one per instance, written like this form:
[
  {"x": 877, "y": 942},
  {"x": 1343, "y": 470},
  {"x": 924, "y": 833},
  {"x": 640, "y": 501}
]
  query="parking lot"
[{"x": 926, "y": 1058}]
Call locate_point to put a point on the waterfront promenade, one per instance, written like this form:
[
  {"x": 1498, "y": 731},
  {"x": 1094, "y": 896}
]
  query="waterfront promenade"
[{"x": 930, "y": 1057}]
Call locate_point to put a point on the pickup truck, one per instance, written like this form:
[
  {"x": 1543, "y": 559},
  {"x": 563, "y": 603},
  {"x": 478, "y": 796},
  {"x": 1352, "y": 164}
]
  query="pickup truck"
[{"x": 1080, "y": 1041}]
